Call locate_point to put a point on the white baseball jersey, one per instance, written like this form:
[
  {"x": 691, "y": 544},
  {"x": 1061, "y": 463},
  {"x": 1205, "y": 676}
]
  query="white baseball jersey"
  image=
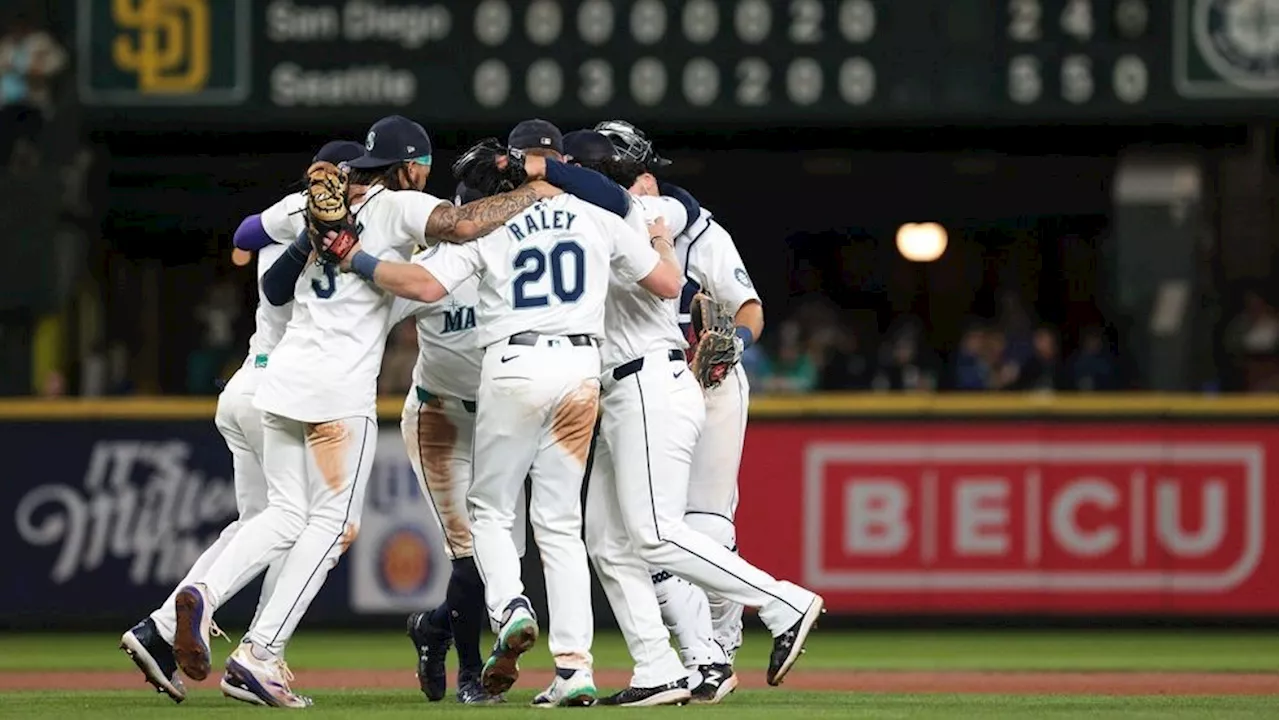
[
  {"x": 637, "y": 322},
  {"x": 326, "y": 366},
  {"x": 547, "y": 270},
  {"x": 448, "y": 357},
  {"x": 711, "y": 264},
  {"x": 282, "y": 222}
]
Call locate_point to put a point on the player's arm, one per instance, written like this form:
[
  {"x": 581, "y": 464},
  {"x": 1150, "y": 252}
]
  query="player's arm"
[
  {"x": 643, "y": 263},
  {"x": 403, "y": 279},
  {"x": 414, "y": 280},
  {"x": 281, "y": 278},
  {"x": 460, "y": 223},
  {"x": 279, "y": 223},
  {"x": 584, "y": 183},
  {"x": 251, "y": 235},
  {"x": 665, "y": 279},
  {"x": 729, "y": 283},
  {"x": 750, "y": 316}
]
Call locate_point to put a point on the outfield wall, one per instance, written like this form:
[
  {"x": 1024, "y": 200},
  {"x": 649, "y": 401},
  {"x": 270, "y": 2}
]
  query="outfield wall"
[{"x": 1151, "y": 506}]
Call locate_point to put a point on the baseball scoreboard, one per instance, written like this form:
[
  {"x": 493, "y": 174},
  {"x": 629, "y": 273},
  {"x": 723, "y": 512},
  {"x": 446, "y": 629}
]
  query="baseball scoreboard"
[{"x": 678, "y": 62}]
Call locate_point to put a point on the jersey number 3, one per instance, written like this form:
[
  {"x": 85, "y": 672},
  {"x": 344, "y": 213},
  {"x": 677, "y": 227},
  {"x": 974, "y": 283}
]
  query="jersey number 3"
[
  {"x": 325, "y": 290},
  {"x": 532, "y": 263}
]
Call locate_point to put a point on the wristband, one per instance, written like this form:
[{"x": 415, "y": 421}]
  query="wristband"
[
  {"x": 364, "y": 265},
  {"x": 744, "y": 334}
]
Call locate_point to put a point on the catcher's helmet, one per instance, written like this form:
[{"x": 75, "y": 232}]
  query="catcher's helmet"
[{"x": 631, "y": 143}]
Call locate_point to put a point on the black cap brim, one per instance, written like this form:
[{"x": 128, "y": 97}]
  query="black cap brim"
[{"x": 658, "y": 162}]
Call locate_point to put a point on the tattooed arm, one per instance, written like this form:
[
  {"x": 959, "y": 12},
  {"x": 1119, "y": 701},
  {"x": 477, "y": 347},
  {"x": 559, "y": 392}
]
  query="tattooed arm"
[{"x": 460, "y": 223}]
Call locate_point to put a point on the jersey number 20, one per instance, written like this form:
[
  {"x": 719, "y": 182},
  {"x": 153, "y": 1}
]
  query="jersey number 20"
[{"x": 533, "y": 264}]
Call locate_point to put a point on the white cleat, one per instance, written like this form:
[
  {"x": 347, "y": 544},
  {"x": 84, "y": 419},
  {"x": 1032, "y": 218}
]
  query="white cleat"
[
  {"x": 570, "y": 688},
  {"x": 267, "y": 680}
]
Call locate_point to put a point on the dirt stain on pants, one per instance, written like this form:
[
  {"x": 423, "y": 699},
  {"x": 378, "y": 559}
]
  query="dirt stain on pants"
[{"x": 575, "y": 419}]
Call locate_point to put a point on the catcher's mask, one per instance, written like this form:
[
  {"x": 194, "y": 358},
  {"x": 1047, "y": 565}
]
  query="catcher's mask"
[{"x": 631, "y": 143}]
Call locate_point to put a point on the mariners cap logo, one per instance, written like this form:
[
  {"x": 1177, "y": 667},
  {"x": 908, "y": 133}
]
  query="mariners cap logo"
[{"x": 368, "y": 141}]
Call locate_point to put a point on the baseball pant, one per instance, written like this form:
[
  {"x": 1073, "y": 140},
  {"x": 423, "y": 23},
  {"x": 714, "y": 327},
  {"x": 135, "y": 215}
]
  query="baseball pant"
[
  {"x": 240, "y": 424},
  {"x": 651, "y": 420},
  {"x": 535, "y": 416},
  {"x": 317, "y": 474},
  {"x": 438, "y": 436},
  {"x": 713, "y": 502},
  {"x": 623, "y": 574}
]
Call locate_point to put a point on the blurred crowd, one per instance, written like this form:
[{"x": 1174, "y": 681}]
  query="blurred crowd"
[
  {"x": 31, "y": 63},
  {"x": 989, "y": 357}
]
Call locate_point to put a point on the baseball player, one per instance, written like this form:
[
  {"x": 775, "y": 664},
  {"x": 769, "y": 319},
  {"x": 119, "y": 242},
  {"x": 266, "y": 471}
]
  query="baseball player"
[
  {"x": 317, "y": 396},
  {"x": 438, "y": 424},
  {"x": 150, "y": 642},
  {"x": 544, "y": 277},
  {"x": 651, "y": 417},
  {"x": 711, "y": 265}
]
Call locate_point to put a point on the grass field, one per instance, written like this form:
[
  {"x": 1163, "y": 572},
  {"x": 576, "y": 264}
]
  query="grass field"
[{"x": 387, "y": 658}]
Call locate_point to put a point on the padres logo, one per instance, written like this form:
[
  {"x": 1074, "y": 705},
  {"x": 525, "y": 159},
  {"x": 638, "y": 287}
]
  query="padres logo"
[
  {"x": 1237, "y": 39},
  {"x": 166, "y": 44},
  {"x": 404, "y": 561}
]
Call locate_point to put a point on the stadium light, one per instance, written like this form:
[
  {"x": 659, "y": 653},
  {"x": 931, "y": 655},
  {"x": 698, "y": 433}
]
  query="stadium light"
[{"x": 922, "y": 242}]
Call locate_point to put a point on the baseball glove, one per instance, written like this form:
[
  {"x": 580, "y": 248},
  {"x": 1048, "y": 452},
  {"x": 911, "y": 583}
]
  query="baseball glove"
[
  {"x": 327, "y": 212},
  {"x": 716, "y": 349},
  {"x": 478, "y": 167}
]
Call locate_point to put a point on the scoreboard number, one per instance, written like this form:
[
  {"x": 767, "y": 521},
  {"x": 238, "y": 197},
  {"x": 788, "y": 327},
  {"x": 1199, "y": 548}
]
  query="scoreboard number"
[
  {"x": 1077, "y": 19},
  {"x": 1024, "y": 20}
]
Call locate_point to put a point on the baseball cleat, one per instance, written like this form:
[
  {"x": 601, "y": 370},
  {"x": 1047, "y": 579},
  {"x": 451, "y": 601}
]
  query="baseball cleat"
[
  {"x": 717, "y": 682},
  {"x": 788, "y": 646},
  {"x": 233, "y": 688},
  {"x": 570, "y": 688},
  {"x": 471, "y": 692},
  {"x": 518, "y": 633},
  {"x": 154, "y": 657},
  {"x": 432, "y": 644},
  {"x": 673, "y": 693},
  {"x": 191, "y": 636},
  {"x": 266, "y": 680}
]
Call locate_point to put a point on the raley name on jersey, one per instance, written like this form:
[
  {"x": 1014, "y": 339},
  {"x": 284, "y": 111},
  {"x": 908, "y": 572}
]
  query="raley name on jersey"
[{"x": 537, "y": 219}]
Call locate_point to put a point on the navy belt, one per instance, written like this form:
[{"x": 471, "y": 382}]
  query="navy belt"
[
  {"x": 427, "y": 398},
  {"x": 634, "y": 366},
  {"x": 531, "y": 339}
]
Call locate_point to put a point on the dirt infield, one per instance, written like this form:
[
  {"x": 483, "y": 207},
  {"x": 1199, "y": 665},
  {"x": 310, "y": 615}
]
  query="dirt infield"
[{"x": 1013, "y": 683}]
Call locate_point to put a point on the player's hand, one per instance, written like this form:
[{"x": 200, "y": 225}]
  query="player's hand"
[
  {"x": 658, "y": 229},
  {"x": 545, "y": 189},
  {"x": 535, "y": 166},
  {"x": 345, "y": 263},
  {"x": 240, "y": 258}
]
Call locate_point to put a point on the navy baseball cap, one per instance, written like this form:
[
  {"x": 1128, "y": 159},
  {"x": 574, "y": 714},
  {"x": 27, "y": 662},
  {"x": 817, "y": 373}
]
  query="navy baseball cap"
[
  {"x": 394, "y": 139},
  {"x": 339, "y": 151},
  {"x": 463, "y": 194},
  {"x": 536, "y": 134},
  {"x": 588, "y": 146}
]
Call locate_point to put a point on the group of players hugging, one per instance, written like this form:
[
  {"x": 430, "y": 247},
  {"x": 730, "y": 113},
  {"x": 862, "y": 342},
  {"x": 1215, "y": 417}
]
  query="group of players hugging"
[{"x": 579, "y": 321}]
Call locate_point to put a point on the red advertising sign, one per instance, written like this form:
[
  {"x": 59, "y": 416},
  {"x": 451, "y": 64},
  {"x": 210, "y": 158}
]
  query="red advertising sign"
[{"x": 1016, "y": 517}]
